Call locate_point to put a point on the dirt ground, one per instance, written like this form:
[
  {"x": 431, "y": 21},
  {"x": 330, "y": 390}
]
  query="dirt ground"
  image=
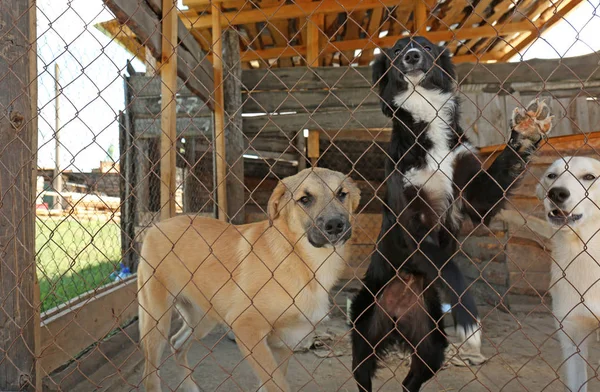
[{"x": 521, "y": 346}]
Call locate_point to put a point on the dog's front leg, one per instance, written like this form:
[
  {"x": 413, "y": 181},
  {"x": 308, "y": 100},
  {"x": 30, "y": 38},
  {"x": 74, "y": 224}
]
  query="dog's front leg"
[
  {"x": 574, "y": 353},
  {"x": 283, "y": 355},
  {"x": 252, "y": 340},
  {"x": 485, "y": 190}
]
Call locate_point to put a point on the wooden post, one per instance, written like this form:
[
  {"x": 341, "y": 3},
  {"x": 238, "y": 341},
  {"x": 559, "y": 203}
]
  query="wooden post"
[
  {"x": 192, "y": 189},
  {"x": 314, "y": 22},
  {"x": 220, "y": 157},
  {"x": 313, "y": 147},
  {"x": 33, "y": 97},
  {"x": 234, "y": 136},
  {"x": 168, "y": 117},
  {"x": 301, "y": 147},
  {"x": 17, "y": 209},
  {"x": 420, "y": 17},
  {"x": 57, "y": 183},
  {"x": 313, "y": 31},
  {"x": 150, "y": 63}
]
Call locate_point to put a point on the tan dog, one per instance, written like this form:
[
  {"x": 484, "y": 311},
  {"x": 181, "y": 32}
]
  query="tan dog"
[{"x": 269, "y": 281}]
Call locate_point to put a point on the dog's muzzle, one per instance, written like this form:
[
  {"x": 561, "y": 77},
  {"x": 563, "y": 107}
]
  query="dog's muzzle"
[
  {"x": 558, "y": 195},
  {"x": 332, "y": 231},
  {"x": 412, "y": 59},
  {"x": 560, "y": 215}
]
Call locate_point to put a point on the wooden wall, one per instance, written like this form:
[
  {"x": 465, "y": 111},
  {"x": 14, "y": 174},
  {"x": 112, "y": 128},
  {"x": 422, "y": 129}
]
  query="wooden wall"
[
  {"x": 341, "y": 105},
  {"x": 278, "y": 105}
]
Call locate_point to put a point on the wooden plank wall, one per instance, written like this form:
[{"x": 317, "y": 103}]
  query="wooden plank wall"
[
  {"x": 340, "y": 103},
  {"x": 286, "y": 101},
  {"x": 279, "y": 104}
]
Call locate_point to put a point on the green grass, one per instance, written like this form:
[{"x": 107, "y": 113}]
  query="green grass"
[{"x": 74, "y": 256}]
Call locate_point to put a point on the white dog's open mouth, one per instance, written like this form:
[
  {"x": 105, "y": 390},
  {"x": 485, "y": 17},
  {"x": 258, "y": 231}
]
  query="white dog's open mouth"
[{"x": 561, "y": 217}]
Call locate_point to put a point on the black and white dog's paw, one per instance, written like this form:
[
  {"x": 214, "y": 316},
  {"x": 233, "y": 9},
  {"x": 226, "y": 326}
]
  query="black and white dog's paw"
[
  {"x": 534, "y": 121},
  {"x": 470, "y": 335}
]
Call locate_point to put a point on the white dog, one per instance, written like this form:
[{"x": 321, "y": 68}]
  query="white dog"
[{"x": 570, "y": 189}]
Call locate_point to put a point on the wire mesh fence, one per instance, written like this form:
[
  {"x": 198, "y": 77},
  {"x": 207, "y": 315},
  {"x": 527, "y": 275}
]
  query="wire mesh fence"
[{"x": 442, "y": 215}]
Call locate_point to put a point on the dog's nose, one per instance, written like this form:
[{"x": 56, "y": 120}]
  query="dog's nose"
[
  {"x": 335, "y": 226},
  {"x": 558, "y": 194},
  {"x": 412, "y": 57}
]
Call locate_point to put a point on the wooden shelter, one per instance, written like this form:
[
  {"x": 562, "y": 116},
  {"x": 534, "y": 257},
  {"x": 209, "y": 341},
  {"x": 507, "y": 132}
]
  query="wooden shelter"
[
  {"x": 290, "y": 86},
  {"x": 276, "y": 33}
]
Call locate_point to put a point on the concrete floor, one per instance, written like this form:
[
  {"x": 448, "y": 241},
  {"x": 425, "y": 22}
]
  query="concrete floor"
[{"x": 522, "y": 349}]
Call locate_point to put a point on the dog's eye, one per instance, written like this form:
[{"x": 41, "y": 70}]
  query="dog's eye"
[
  {"x": 304, "y": 200},
  {"x": 589, "y": 177},
  {"x": 427, "y": 48},
  {"x": 397, "y": 52},
  {"x": 551, "y": 176},
  {"x": 342, "y": 194}
]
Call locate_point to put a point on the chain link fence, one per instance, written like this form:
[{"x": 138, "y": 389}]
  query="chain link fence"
[{"x": 134, "y": 111}]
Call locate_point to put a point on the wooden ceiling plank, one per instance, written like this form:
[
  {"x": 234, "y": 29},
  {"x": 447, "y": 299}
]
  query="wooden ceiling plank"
[
  {"x": 526, "y": 11},
  {"x": 204, "y": 38},
  {"x": 296, "y": 10},
  {"x": 456, "y": 10},
  {"x": 123, "y": 35},
  {"x": 475, "y": 17},
  {"x": 279, "y": 31},
  {"x": 395, "y": 26},
  {"x": 549, "y": 18},
  {"x": 332, "y": 30},
  {"x": 499, "y": 11},
  {"x": 372, "y": 32},
  {"x": 353, "y": 28},
  {"x": 314, "y": 31},
  {"x": 522, "y": 9},
  {"x": 388, "y": 41},
  {"x": 477, "y": 14},
  {"x": 420, "y": 18}
]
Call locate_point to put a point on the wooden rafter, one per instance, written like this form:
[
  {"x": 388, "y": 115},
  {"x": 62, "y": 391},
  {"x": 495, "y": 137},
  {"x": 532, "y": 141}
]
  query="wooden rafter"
[
  {"x": 384, "y": 42},
  {"x": 275, "y": 33},
  {"x": 297, "y": 10},
  {"x": 498, "y": 12},
  {"x": 353, "y": 28},
  {"x": 420, "y": 18},
  {"x": 279, "y": 30},
  {"x": 314, "y": 28},
  {"x": 124, "y": 36},
  {"x": 372, "y": 33},
  {"x": 545, "y": 25}
]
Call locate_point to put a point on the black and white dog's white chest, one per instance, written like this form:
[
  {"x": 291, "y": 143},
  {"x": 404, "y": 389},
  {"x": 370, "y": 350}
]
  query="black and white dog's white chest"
[{"x": 434, "y": 173}]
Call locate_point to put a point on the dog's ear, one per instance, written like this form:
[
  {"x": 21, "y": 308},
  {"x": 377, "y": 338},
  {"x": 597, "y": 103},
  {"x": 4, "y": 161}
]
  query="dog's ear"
[
  {"x": 354, "y": 192},
  {"x": 274, "y": 205},
  {"x": 381, "y": 79},
  {"x": 447, "y": 72},
  {"x": 379, "y": 68}
]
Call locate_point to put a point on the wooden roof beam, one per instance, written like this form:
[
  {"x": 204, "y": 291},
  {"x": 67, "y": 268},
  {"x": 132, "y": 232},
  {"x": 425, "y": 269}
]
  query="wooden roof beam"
[
  {"x": 372, "y": 30},
  {"x": 372, "y": 43},
  {"x": 420, "y": 18},
  {"x": 314, "y": 26},
  {"x": 297, "y": 10},
  {"x": 544, "y": 25},
  {"x": 124, "y": 37}
]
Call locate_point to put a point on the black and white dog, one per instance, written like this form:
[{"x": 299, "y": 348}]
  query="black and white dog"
[{"x": 435, "y": 180}]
